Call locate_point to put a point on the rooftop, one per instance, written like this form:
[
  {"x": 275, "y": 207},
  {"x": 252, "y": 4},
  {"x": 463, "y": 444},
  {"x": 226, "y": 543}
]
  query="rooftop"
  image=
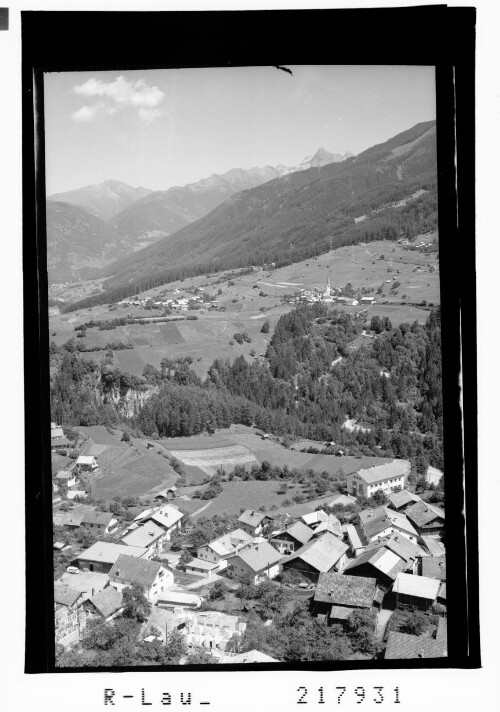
[
  {"x": 88, "y": 582},
  {"x": 434, "y": 567},
  {"x": 322, "y": 553},
  {"x": 338, "y": 589},
  {"x": 418, "y": 586},
  {"x": 378, "y": 520},
  {"x": 401, "y": 646},
  {"x": 353, "y": 536},
  {"x": 379, "y": 473},
  {"x": 435, "y": 547},
  {"x": 85, "y": 460},
  {"x": 400, "y": 499},
  {"x": 95, "y": 517},
  {"x": 298, "y": 530},
  {"x": 130, "y": 569},
  {"x": 314, "y": 517},
  {"x": 144, "y": 536},
  {"x": 251, "y": 517},
  {"x": 399, "y": 544},
  {"x": 65, "y": 595},
  {"x": 108, "y": 552},
  {"x": 422, "y": 514},
  {"x": 228, "y": 543},
  {"x": 253, "y": 656},
  {"x": 202, "y": 564},
  {"x": 260, "y": 557},
  {"x": 107, "y": 601},
  {"x": 382, "y": 559}
]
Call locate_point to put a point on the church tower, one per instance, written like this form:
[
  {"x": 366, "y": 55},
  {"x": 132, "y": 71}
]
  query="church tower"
[{"x": 328, "y": 289}]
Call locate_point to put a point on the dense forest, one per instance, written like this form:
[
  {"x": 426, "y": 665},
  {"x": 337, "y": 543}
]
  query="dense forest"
[{"x": 308, "y": 385}]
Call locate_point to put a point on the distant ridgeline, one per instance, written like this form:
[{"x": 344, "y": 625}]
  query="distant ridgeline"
[
  {"x": 392, "y": 186},
  {"x": 393, "y": 386}
]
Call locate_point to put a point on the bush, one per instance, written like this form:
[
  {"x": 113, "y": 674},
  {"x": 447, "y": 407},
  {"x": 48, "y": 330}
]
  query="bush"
[{"x": 265, "y": 327}]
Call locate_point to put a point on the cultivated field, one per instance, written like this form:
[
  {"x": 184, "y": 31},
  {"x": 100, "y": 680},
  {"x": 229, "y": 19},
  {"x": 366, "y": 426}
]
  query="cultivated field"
[
  {"x": 251, "y": 494},
  {"x": 252, "y": 298},
  {"x": 125, "y": 468}
]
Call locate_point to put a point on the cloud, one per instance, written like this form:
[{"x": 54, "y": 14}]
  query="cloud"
[
  {"x": 118, "y": 94},
  {"x": 87, "y": 113}
]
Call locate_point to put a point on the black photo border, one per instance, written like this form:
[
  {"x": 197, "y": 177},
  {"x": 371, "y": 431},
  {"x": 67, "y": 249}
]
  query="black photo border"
[{"x": 429, "y": 35}]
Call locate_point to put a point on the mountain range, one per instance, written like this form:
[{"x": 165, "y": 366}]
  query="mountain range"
[
  {"x": 386, "y": 192},
  {"x": 123, "y": 219}
]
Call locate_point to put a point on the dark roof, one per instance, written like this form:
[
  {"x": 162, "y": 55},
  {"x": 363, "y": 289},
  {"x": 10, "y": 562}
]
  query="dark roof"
[
  {"x": 375, "y": 521},
  {"x": 341, "y": 612},
  {"x": 382, "y": 559},
  {"x": 95, "y": 517},
  {"x": 399, "y": 544},
  {"x": 401, "y": 499},
  {"x": 298, "y": 531},
  {"x": 434, "y": 567},
  {"x": 401, "y": 646},
  {"x": 107, "y": 601},
  {"x": 251, "y": 517},
  {"x": 133, "y": 570},
  {"x": 65, "y": 595},
  {"x": 423, "y": 514},
  {"x": 338, "y": 589}
]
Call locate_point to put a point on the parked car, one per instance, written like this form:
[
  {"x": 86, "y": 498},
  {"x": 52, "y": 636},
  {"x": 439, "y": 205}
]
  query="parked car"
[{"x": 73, "y": 570}]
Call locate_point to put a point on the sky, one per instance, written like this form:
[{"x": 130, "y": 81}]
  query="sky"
[{"x": 161, "y": 128}]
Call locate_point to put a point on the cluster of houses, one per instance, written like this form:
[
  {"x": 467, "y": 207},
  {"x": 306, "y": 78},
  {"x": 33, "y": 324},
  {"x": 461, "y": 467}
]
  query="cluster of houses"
[
  {"x": 330, "y": 295},
  {"x": 394, "y": 551},
  {"x": 180, "y": 302}
]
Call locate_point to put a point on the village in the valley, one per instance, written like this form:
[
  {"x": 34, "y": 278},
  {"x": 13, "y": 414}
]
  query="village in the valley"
[{"x": 378, "y": 573}]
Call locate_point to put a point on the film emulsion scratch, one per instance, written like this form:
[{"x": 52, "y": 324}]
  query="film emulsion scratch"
[{"x": 245, "y": 366}]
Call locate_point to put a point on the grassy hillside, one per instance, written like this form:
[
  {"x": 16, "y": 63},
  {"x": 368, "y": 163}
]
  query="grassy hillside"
[{"x": 303, "y": 214}]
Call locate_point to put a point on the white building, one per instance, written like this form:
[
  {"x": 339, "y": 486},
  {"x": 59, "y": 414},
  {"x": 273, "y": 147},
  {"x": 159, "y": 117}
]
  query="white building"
[
  {"x": 365, "y": 483},
  {"x": 153, "y": 576}
]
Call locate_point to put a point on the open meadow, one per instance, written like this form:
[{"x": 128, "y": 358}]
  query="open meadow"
[{"x": 251, "y": 299}]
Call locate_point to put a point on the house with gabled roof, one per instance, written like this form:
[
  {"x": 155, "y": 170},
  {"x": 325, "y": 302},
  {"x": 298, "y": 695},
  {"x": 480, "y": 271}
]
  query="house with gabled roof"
[
  {"x": 379, "y": 563},
  {"x": 416, "y": 591},
  {"x": 427, "y": 519},
  {"x": 344, "y": 500},
  {"x": 382, "y": 521},
  {"x": 313, "y": 519},
  {"x": 69, "y": 615},
  {"x": 292, "y": 538},
  {"x": 402, "y": 500},
  {"x": 403, "y": 547},
  {"x": 224, "y": 547},
  {"x": 354, "y": 537},
  {"x": 147, "y": 536},
  {"x": 258, "y": 562},
  {"x": 153, "y": 576},
  {"x": 99, "y": 522},
  {"x": 324, "y": 554},
  {"x": 106, "y": 604},
  {"x": 86, "y": 463},
  {"x": 168, "y": 517},
  {"x": 253, "y": 522},
  {"x": 434, "y": 546},
  {"x": 102, "y": 555},
  {"x": 403, "y": 646},
  {"x": 337, "y": 595},
  {"x": 332, "y": 525}
]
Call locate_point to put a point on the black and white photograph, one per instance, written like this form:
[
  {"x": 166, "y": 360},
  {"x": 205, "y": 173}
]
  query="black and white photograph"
[
  {"x": 250, "y": 428},
  {"x": 245, "y": 365}
]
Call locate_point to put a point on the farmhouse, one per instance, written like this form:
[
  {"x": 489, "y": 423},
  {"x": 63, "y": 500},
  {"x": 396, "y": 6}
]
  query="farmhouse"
[
  {"x": 402, "y": 646},
  {"x": 400, "y": 501},
  {"x": 403, "y": 547},
  {"x": 66, "y": 479},
  {"x": 353, "y": 536},
  {"x": 367, "y": 300},
  {"x": 69, "y": 615},
  {"x": 381, "y": 564},
  {"x": 331, "y": 525},
  {"x": 253, "y": 522},
  {"x": 220, "y": 550},
  {"x": 427, "y": 518},
  {"x": 342, "y": 499},
  {"x": 289, "y": 540},
  {"x": 102, "y": 555},
  {"x": 259, "y": 562},
  {"x": 337, "y": 596},
  {"x": 86, "y": 463},
  {"x": 148, "y": 536},
  {"x": 100, "y": 522},
  {"x": 416, "y": 591},
  {"x": 168, "y": 517},
  {"x": 433, "y": 546},
  {"x": 154, "y": 577},
  {"x": 318, "y": 556},
  {"x": 106, "y": 604},
  {"x": 313, "y": 519},
  {"x": 366, "y": 482},
  {"x": 380, "y": 522}
]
